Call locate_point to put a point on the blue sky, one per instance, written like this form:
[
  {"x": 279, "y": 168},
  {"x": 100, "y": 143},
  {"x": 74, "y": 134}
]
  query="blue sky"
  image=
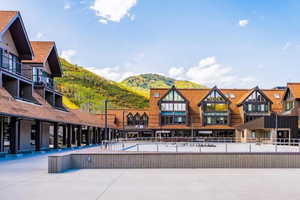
[{"x": 229, "y": 43}]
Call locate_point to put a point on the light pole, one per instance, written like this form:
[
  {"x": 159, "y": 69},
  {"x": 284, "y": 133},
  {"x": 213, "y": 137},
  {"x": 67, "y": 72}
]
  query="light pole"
[{"x": 107, "y": 136}]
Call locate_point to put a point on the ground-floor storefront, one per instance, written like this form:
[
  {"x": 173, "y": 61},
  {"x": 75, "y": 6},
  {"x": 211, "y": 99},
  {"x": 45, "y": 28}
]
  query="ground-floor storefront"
[
  {"x": 165, "y": 133},
  {"x": 21, "y": 135}
]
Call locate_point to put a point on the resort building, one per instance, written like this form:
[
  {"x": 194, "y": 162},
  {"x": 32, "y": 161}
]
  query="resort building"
[
  {"x": 238, "y": 113},
  {"x": 32, "y": 114},
  {"x": 33, "y": 117}
]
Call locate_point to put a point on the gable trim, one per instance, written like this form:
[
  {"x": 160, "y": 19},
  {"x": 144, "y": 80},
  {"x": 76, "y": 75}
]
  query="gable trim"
[
  {"x": 171, "y": 89},
  {"x": 215, "y": 88},
  {"x": 254, "y": 90}
]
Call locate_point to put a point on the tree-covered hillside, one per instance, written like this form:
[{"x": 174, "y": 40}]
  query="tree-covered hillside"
[
  {"x": 144, "y": 82},
  {"x": 88, "y": 90}
]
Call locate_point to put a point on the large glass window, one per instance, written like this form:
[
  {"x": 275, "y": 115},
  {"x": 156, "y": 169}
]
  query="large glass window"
[
  {"x": 216, "y": 120},
  {"x": 10, "y": 62},
  {"x": 42, "y": 77},
  {"x": 173, "y": 109},
  {"x": 215, "y": 108},
  {"x": 256, "y": 102}
]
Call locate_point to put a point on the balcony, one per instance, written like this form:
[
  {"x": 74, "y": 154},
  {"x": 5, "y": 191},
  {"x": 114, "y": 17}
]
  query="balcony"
[
  {"x": 10, "y": 63},
  {"x": 44, "y": 81}
]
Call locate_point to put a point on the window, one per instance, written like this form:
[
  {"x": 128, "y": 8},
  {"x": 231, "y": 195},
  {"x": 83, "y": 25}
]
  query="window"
[
  {"x": 216, "y": 120},
  {"x": 215, "y": 108},
  {"x": 156, "y": 95},
  {"x": 130, "y": 120},
  {"x": 1, "y": 52},
  {"x": 173, "y": 109},
  {"x": 42, "y": 77},
  {"x": 137, "y": 119},
  {"x": 257, "y": 103},
  {"x": 289, "y": 105},
  {"x": 173, "y": 119},
  {"x": 277, "y": 96}
]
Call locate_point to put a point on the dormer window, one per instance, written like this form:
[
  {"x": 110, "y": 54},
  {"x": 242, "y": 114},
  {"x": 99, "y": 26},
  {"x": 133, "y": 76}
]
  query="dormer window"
[
  {"x": 288, "y": 101},
  {"x": 10, "y": 62},
  {"x": 42, "y": 78},
  {"x": 256, "y": 103},
  {"x": 173, "y": 107},
  {"x": 215, "y": 108}
]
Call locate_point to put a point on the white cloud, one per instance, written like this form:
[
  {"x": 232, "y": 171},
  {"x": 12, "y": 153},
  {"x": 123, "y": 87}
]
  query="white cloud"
[
  {"x": 243, "y": 22},
  {"x": 39, "y": 35},
  {"x": 286, "y": 46},
  {"x": 67, "y": 6},
  {"x": 111, "y": 73},
  {"x": 68, "y": 54},
  {"x": 207, "y": 61},
  {"x": 176, "y": 72},
  {"x": 103, "y": 21},
  {"x": 209, "y": 72},
  {"x": 113, "y": 10}
]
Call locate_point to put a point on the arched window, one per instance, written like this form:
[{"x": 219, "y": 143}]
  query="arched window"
[
  {"x": 144, "y": 119},
  {"x": 130, "y": 119},
  {"x": 137, "y": 119}
]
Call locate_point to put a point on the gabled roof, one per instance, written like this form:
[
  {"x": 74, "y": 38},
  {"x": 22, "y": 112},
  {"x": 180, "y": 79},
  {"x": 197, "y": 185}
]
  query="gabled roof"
[
  {"x": 45, "y": 51},
  {"x": 12, "y": 21},
  {"x": 5, "y": 19},
  {"x": 295, "y": 89},
  {"x": 246, "y": 95},
  {"x": 43, "y": 111},
  {"x": 175, "y": 89},
  {"x": 215, "y": 88}
]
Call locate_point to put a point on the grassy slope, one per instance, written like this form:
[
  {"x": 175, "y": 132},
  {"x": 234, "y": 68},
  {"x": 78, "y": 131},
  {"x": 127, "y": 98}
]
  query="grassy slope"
[
  {"x": 144, "y": 82},
  {"x": 88, "y": 90}
]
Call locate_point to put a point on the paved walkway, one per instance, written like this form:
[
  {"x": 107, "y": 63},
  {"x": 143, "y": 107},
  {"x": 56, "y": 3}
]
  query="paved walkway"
[{"x": 27, "y": 178}]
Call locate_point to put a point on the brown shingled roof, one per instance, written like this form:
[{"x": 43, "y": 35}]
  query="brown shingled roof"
[
  {"x": 295, "y": 89},
  {"x": 5, "y": 18},
  {"x": 41, "y": 51},
  {"x": 44, "y": 111},
  {"x": 195, "y": 95}
]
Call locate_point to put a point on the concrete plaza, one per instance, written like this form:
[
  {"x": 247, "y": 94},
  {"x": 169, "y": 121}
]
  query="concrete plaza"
[{"x": 27, "y": 178}]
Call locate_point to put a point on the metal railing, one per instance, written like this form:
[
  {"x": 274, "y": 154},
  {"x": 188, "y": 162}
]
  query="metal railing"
[
  {"x": 43, "y": 80},
  {"x": 202, "y": 144},
  {"x": 11, "y": 65}
]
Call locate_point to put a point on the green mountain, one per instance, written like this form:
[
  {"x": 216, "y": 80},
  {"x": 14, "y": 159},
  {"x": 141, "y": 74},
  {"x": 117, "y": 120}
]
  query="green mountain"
[
  {"x": 144, "y": 82},
  {"x": 88, "y": 91}
]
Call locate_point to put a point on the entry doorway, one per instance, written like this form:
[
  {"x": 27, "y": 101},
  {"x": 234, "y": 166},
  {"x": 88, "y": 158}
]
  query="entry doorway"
[{"x": 283, "y": 136}]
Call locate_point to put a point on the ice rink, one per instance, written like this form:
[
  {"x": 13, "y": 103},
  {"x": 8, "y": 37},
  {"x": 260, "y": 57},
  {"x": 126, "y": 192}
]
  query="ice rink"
[
  {"x": 27, "y": 179},
  {"x": 209, "y": 147}
]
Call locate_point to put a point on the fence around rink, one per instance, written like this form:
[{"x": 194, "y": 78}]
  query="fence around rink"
[
  {"x": 168, "y": 153},
  {"x": 209, "y": 144}
]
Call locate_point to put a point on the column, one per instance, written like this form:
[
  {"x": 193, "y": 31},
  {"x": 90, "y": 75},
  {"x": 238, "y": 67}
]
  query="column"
[
  {"x": 73, "y": 135},
  {"x": 37, "y": 135},
  {"x": 55, "y": 135},
  {"x": 79, "y": 135},
  {"x": 87, "y": 136},
  {"x": 1, "y": 131},
  {"x": 13, "y": 135},
  {"x": 64, "y": 134},
  {"x": 99, "y": 135},
  {"x": 94, "y": 136},
  {"x": 69, "y": 136}
]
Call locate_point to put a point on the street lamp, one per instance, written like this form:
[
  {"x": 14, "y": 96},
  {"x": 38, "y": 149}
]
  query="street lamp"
[{"x": 107, "y": 136}]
